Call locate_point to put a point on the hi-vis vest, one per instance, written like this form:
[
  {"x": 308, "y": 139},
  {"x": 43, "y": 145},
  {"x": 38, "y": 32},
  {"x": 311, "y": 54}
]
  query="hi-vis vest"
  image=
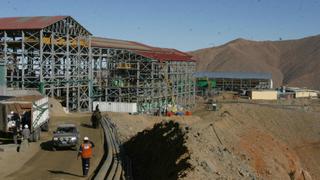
[{"x": 86, "y": 150}]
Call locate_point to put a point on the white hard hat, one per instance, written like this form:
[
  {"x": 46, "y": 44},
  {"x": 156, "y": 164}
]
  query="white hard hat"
[
  {"x": 26, "y": 126},
  {"x": 11, "y": 112},
  {"x": 86, "y": 138}
]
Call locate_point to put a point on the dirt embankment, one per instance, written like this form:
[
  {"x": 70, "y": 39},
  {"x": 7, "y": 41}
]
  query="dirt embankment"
[
  {"x": 159, "y": 153},
  {"x": 240, "y": 141}
]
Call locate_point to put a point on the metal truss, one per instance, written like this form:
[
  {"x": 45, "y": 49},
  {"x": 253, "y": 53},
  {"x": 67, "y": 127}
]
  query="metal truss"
[
  {"x": 60, "y": 62},
  {"x": 124, "y": 76},
  {"x": 54, "y": 60}
]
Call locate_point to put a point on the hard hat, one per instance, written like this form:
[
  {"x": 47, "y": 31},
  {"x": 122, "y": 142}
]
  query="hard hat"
[
  {"x": 11, "y": 112},
  {"x": 26, "y": 126},
  {"x": 86, "y": 138}
]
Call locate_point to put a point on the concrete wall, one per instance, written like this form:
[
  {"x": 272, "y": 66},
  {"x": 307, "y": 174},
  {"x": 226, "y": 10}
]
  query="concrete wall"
[{"x": 263, "y": 95}]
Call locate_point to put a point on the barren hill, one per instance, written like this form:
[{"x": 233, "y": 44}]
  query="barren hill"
[
  {"x": 242, "y": 140},
  {"x": 291, "y": 62}
]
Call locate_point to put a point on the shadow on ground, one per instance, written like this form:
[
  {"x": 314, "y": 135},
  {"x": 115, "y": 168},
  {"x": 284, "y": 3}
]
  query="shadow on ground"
[
  {"x": 65, "y": 173},
  {"x": 159, "y": 153},
  {"x": 86, "y": 125},
  {"x": 47, "y": 146}
]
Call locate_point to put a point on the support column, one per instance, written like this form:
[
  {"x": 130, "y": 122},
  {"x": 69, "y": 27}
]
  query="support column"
[
  {"x": 67, "y": 70},
  {"x": 90, "y": 76},
  {"x": 41, "y": 83},
  {"x": 79, "y": 84},
  {"x": 3, "y": 66},
  {"x": 22, "y": 58},
  {"x": 53, "y": 67}
]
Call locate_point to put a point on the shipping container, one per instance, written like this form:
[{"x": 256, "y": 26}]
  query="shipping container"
[
  {"x": 305, "y": 94},
  {"x": 263, "y": 95}
]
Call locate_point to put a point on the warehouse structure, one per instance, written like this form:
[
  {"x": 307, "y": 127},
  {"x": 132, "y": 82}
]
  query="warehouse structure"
[
  {"x": 148, "y": 76},
  {"x": 61, "y": 59},
  {"x": 232, "y": 81}
]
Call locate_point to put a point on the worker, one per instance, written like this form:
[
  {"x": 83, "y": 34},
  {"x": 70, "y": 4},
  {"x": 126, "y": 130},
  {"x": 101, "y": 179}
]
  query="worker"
[
  {"x": 96, "y": 118},
  {"x": 26, "y": 118},
  {"x": 16, "y": 130},
  {"x": 26, "y": 135},
  {"x": 85, "y": 152},
  {"x": 24, "y": 143}
]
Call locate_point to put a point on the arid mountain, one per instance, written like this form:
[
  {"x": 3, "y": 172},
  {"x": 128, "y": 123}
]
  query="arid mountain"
[{"x": 291, "y": 62}]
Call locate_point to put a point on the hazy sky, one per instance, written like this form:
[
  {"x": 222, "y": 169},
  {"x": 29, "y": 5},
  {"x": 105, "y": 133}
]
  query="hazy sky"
[{"x": 181, "y": 24}]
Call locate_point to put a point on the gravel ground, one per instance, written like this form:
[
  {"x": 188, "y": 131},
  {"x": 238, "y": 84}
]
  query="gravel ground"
[{"x": 39, "y": 162}]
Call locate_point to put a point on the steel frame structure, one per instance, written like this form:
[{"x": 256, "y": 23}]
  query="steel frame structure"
[
  {"x": 58, "y": 60},
  {"x": 55, "y": 60},
  {"x": 125, "y": 76}
]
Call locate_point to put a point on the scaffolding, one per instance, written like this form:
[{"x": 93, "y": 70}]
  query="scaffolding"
[
  {"x": 59, "y": 58},
  {"x": 54, "y": 60},
  {"x": 130, "y": 77}
]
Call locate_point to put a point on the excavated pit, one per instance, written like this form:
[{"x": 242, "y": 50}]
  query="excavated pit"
[
  {"x": 159, "y": 153},
  {"x": 242, "y": 140}
]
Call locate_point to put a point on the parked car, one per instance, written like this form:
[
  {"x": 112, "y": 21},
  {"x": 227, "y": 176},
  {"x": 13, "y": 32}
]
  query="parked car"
[{"x": 66, "y": 136}]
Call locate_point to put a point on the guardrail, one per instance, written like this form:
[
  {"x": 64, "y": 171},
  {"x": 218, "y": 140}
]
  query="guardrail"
[{"x": 111, "y": 168}]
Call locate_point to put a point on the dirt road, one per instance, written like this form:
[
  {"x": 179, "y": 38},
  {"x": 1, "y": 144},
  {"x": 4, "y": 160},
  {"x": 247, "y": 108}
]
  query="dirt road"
[{"x": 62, "y": 164}]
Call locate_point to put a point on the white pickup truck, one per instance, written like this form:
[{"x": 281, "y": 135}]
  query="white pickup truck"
[{"x": 30, "y": 110}]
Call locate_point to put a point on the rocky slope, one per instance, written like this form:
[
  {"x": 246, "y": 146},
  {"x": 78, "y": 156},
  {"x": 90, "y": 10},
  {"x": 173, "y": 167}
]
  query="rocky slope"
[
  {"x": 243, "y": 140},
  {"x": 291, "y": 62}
]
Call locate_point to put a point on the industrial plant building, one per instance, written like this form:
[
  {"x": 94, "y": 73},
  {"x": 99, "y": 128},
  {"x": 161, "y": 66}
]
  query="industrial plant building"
[
  {"x": 60, "y": 58},
  {"x": 232, "y": 81}
]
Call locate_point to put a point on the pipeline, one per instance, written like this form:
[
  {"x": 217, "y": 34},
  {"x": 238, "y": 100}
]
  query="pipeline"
[{"x": 111, "y": 168}]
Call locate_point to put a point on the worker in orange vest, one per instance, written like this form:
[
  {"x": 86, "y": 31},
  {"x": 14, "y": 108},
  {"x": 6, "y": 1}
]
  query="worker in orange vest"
[{"x": 85, "y": 151}]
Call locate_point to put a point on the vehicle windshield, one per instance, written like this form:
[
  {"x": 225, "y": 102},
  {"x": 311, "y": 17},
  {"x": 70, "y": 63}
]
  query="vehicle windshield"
[{"x": 66, "y": 130}]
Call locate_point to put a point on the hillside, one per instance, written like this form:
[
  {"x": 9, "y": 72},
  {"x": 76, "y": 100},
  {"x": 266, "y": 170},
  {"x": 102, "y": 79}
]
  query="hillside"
[
  {"x": 291, "y": 62},
  {"x": 242, "y": 140}
]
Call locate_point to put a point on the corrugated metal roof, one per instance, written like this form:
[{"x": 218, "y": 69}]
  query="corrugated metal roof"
[
  {"x": 36, "y": 22},
  {"x": 233, "y": 75},
  {"x": 165, "y": 55},
  {"x": 116, "y": 43},
  {"x": 161, "y": 54}
]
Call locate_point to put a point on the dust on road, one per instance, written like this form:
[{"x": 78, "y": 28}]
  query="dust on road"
[{"x": 62, "y": 164}]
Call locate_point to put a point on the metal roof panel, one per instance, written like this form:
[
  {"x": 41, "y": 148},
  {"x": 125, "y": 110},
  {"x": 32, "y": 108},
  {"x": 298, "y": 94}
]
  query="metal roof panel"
[
  {"x": 116, "y": 43},
  {"x": 36, "y": 22},
  {"x": 161, "y": 54}
]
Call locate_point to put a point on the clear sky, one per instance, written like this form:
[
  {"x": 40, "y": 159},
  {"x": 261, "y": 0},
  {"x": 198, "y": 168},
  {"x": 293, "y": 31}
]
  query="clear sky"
[{"x": 181, "y": 24}]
